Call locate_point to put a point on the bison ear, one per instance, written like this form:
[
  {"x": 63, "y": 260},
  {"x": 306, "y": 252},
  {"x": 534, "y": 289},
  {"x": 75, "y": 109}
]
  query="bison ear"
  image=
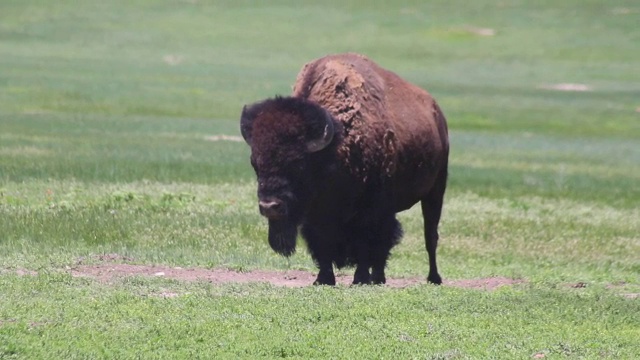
[
  {"x": 325, "y": 138},
  {"x": 246, "y": 123}
]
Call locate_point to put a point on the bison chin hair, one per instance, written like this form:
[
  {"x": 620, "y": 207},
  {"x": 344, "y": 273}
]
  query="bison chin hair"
[{"x": 282, "y": 236}]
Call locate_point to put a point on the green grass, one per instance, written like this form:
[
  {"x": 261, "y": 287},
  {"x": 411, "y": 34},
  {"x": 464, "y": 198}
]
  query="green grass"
[
  {"x": 107, "y": 110},
  {"x": 259, "y": 321}
]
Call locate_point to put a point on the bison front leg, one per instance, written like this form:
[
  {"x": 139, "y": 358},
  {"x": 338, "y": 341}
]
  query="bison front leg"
[
  {"x": 321, "y": 242},
  {"x": 325, "y": 275},
  {"x": 362, "y": 275},
  {"x": 388, "y": 236},
  {"x": 374, "y": 244},
  {"x": 379, "y": 263}
]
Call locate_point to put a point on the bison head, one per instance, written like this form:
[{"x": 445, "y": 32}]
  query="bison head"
[{"x": 289, "y": 138}]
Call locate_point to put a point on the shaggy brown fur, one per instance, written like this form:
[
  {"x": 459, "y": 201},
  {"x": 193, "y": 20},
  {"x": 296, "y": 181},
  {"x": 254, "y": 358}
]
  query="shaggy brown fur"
[{"x": 388, "y": 123}]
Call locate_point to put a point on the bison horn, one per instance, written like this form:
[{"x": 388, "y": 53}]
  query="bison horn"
[
  {"x": 324, "y": 140},
  {"x": 246, "y": 122}
]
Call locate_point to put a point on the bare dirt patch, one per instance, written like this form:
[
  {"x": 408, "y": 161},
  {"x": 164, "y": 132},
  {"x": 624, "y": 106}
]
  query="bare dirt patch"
[
  {"x": 19, "y": 272},
  {"x": 622, "y": 11},
  {"x": 491, "y": 283},
  {"x": 480, "y": 31},
  {"x": 173, "y": 59},
  {"x": 224, "y": 138},
  {"x": 290, "y": 278},
  {"x": 567, "y": 87}
]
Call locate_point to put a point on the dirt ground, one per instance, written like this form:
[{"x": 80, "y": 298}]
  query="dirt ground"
[
  {"x": 108, "y": 268},
  {"x": 111, "y": 268}
]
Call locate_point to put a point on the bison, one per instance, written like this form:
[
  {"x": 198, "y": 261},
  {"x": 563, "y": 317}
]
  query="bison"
[{"x": 354, "y": 145}]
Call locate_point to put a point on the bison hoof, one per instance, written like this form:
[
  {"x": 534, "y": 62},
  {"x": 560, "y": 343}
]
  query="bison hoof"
[
  {"x": 361, "y": 277},
  {"x": 357, "y": 283},
  {"x": 316, "y": 283},
  {"x": 379, "y": 281},
  {"x": 434, "y": 279},
  {"x": 328, "y": 280}
]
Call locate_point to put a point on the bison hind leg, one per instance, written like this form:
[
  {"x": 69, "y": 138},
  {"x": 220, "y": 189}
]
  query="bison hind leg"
[{"x": 431, "y": 211}]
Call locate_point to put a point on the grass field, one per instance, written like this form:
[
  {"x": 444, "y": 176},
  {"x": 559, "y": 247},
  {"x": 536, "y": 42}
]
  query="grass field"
[{"x": 110, "y": 117}]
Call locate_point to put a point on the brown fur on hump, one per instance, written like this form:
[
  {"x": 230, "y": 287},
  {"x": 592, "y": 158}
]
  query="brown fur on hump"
[
  {"x": 381, "y": 112},
  {"x": 351, "y": 89}
]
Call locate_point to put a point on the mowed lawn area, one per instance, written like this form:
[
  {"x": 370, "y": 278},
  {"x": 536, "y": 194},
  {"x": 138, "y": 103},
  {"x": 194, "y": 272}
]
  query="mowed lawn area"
[{"x": 120, "y": 149}]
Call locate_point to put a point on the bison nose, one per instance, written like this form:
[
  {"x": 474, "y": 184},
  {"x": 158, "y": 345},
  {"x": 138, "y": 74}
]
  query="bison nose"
[{"x": 272, "y": 209}]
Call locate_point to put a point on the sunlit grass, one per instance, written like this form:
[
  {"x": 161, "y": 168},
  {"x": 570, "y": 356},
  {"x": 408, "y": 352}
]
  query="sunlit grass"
[
  {"x": 110, "y": 121},
  {"x": 218, "y": 226},
  {"x": 136, "y": 317}
]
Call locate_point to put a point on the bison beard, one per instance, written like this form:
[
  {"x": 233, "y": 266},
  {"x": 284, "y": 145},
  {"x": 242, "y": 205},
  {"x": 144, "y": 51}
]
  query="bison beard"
[{"x": 282, "y": 236}]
